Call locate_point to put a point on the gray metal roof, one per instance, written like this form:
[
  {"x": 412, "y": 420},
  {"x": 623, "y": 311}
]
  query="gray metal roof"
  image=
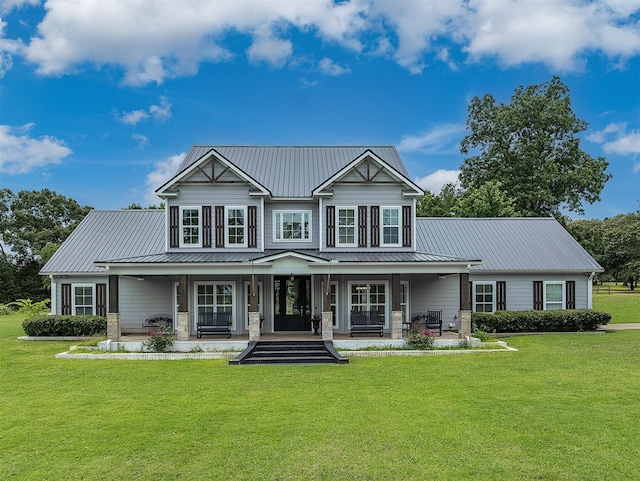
[
  {"x": 107, "y": 234},
  {"x": 233, "y": 257},
  {"x": 293, "y": 171},
  {"x": 506, "y": 244}
]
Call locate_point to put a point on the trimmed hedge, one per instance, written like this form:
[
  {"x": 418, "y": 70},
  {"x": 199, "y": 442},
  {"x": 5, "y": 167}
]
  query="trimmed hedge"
[
  {"x": 49, "y": 326},
  {"x": 540, "y": 321}
]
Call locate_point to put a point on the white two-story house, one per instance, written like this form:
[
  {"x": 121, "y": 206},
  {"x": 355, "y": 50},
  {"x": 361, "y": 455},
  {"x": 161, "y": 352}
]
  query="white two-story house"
[{"x": 290, "y": 233}]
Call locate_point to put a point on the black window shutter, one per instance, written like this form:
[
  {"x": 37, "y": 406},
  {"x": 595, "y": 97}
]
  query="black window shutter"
[
  {"x": 101, "y": 300},
  {"x": 66, "y": 299},
  {"x": 331, "y": 225},
  {"x": 362, "y": 226},
  {"x": 538, "y": 301},
  {"x": 375, "y": 226},
  {"x": 253, "y": 226},
  {"x": 174, "y": 226},
  {"x": 219, "y": 226},
  {"x": 206, "y": 226},
  {"x": 406, "y": 226},
  {"x": 501, "y": 296},
  {"x": 571, "y": 294}
]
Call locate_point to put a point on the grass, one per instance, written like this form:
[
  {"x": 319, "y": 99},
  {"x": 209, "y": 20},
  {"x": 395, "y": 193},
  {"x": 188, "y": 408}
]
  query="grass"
[
  {"x": 565, "y": 407},
  {"x": 625, "y": 307}
]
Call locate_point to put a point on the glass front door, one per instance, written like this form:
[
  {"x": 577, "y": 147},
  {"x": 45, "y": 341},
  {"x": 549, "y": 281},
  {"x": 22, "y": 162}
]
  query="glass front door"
[{"x": 292, "y": 303}]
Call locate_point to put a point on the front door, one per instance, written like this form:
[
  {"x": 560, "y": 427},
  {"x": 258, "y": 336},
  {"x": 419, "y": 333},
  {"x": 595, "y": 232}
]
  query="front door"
[{"x": 292, "y": 303}]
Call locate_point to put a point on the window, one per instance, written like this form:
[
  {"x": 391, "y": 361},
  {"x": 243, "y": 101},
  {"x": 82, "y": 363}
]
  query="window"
[
  {"x": 333, "y": 300},
  {"x": 236, "y": 225},
  {"x": 215, "y": 297},
  {"x": 484, "y": 297},
  {"x": 368, "y": 296},
  {"x": 190, "y": 227},
  {"x": 404, "y": 300},
  {"x": 390, "y": 226},
  {"x": 292, "y": 226},
  {"x": 83, "y": 299},
  {"x": 347, "y": 226},
  {"x": 553, "y": 296}
]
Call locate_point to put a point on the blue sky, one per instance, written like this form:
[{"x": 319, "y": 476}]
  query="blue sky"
[{"x": 100, "y": 101}]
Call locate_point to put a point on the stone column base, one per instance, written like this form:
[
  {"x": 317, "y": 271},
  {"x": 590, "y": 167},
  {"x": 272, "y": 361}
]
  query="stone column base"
[
  {"x": 327, "y": 326},
  {"x": 464, "y": 316},
  {"x": 113, "y": 326},
  {"x": 182, "y": 327},
  {"x": 396, "y": 324},
  {"x": 254, "y": 326}
]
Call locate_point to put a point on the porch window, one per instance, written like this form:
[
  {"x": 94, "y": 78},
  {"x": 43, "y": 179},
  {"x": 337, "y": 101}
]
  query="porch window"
[
  {"x": 368, "y": 296},
  {"x": 390, "y": 226},
  {"x": 83, "y": 299},
  {"x": 292, "y": 226},
  {"x": 215, "y": 297},
  {"x": 404, "y": 300},
  {"x": 236, "y": 226},
  {"x": 553, "y": 296},
  {"x": 333, "y": 300},
  {"x": 190, "y": 227},
  {"x": 484, "y": 297},
  {"x": 347, "y": 221}
]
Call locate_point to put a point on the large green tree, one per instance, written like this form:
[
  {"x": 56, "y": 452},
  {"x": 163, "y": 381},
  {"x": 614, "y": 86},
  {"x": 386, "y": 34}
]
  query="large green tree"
[{"x": 530, "y": 146}]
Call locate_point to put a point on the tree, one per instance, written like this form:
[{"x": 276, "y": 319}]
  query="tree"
[
  {"x": 488, "y": 200},
  {"x": 30, "y": 220},
  {"x": 531, "y": 147},
  {"x": 441, "y": 205},
  {"x": 622, "y": 247}
]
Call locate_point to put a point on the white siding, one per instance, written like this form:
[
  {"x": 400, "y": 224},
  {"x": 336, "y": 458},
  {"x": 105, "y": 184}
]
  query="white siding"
[{"x": 144, "y": 298}]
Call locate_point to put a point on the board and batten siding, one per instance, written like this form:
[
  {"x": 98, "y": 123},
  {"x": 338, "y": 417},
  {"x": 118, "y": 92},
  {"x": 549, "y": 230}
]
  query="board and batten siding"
[
  {"x": 368, "y": 195},
  {"x": 212, "y": 195}
]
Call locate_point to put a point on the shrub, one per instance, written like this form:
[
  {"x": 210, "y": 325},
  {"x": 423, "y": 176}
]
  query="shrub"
[
  {"x": 159, "y": 340},
  {"x": 419, "y": 338},
  {"x": 6, "y": 309},
  {"x": 48, "y": 326},
  {"x": 29, "y": 309},
  {"x": 540, "y": 321}
]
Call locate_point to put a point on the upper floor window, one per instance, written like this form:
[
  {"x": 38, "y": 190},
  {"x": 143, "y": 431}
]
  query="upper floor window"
[
  {"x": 190, "y": 227},
  {"x": 236, "y": 226},
  {"x": 390, "y": 225},
  {"x": 292, "y": 226},
  {"x": 347, "y": 226}
]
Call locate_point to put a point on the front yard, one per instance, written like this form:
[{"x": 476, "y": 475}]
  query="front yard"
[{"x": 565, "y": 407}]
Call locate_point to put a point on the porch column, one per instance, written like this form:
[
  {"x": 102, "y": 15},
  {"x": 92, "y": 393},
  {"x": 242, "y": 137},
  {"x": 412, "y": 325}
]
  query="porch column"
[
  {"x": 182, "y": 324},
  {"x": 254, "y": 315},
  {"x": 327, "y": 314},
  {"x": 464, "y": 314},
  {"x": 114, "y": 331},
  {"x": 396, "y": 311}
]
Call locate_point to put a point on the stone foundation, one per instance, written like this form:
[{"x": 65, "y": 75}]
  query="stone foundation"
[
  {"x": 254, "y": 326},
  {"x": 113, "y": 326},
  {"x": 182, "y": 326},
  {"x": 464, "y": 317},
  {"x": 396, "y": 325},
  {"x": 327, "y": 326}
]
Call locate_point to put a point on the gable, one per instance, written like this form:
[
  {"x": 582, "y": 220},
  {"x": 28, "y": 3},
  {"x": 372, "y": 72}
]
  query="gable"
[{"x": 369, "y": 169}]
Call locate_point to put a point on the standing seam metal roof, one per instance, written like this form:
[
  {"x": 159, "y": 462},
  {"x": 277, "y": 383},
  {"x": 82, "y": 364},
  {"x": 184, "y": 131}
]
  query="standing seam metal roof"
[{"x": 293, "y": 171}]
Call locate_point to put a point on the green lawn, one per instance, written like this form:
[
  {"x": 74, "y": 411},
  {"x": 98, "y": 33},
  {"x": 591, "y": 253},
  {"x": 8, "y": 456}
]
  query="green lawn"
[
  {"x": 625, "y": 307},
  {"x": 565, "y": 407}
]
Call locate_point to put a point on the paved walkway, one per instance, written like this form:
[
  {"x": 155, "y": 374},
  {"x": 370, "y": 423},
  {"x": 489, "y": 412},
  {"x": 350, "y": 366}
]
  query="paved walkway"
[{"x": 621, "y": 327}]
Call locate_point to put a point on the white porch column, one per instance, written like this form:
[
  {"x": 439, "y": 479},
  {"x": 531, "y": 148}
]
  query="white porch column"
[
  {"x": 113, "y": 326},
  {"x": 254, "y": 326},
  {"x": 182, "y": 327},
  {"x": 327, "y": 326},
  {"x": 464, "y": 316},
  {"x": 396, "y": 325}
]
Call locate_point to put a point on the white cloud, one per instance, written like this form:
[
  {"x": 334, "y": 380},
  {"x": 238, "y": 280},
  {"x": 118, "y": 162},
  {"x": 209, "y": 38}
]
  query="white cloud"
[
  {"x": 160, "y": 113},
  {"x": 162, "y": 172},
  {"x": 8, "y": 48},
  {"x": 141, "y": 141},
  {"x": 435, "y": 181},
  {"x": 329, "y": 67},
  {"x": 442, "y": 137},
  {"x": 7, "y": 5},
  {"x": 614, "y": 139},
  {"x": 153, "y": 40},
  {"x": 21, "y": 154}
]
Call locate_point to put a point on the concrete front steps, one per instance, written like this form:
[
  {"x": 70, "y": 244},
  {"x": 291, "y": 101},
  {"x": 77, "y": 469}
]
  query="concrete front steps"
[{"x": 289, "y": 352}]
